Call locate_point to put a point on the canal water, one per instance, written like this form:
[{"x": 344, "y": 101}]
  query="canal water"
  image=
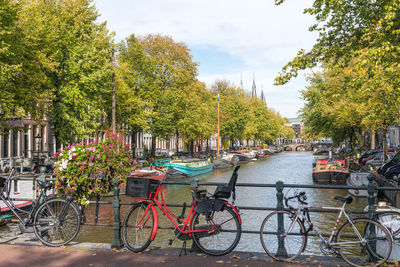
[{"x": 289, "y": 167}]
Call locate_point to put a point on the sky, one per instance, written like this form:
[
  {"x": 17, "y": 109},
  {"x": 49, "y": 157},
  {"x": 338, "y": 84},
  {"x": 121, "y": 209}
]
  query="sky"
[{"x": 230, "y": 39}]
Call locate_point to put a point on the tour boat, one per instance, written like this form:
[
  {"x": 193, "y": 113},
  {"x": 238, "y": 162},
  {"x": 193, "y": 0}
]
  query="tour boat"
[{"x": 330, "y": 171}]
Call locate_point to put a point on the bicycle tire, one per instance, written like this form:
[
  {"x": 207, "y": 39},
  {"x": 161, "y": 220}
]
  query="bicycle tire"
[
  {"x": 52, "y": 230},
  {"x": 221, "y": 242},
  {"x": 378, "y": 244},
  {"x": 391, "y": 220},
  {"x": 270, "y": 241},
  {"x": 137, "y": 240}
]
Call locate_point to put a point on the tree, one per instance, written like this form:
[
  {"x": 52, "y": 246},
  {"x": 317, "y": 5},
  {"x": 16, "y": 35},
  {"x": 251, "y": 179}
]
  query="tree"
[{"x": 164, "y": 69}]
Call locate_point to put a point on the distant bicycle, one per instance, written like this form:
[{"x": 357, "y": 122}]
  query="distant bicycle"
[
  {"x": 213, "y": 223},
  {"x": 55, "y": 220},
  {"x": 359, "y": 242}
]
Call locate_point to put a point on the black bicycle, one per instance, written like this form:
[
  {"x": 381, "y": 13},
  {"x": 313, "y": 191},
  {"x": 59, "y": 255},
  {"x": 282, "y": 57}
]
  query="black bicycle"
[{"x": 55, "y": 219}]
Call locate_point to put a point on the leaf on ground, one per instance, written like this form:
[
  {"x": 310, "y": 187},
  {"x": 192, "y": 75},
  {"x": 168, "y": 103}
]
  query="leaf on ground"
[
  {"x": 219, "y": 261},
  {"x": 236, "y": 257}
]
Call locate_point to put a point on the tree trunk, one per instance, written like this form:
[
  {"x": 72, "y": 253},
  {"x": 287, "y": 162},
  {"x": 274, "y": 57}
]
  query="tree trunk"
[
  {"x": 153, "y": 146},
  {"x": 372, "y": 139},
  {"x": 192, "y": 146},
  {"x": 177, "y": 141},
  {"x": 385, "y": 144},
  {"x": 207, "y": 146},
  {"x": 134, "y": 137},
  {"x": 360, "y": 138}
]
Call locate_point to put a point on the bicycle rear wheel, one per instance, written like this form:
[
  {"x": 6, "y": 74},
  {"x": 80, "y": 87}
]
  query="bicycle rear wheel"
[
  {"x": 56, "y": 222},
  {"x": 373, "y": 250},
  {"x": 292, "y": 244},
  {"x": 222, "y": 233},
  {"x": 138, "y": 227}
]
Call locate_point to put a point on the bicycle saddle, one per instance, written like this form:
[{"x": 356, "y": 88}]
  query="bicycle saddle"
[
  {"x": 347, "y": 199},
  {"x": 44, "y": 185}
]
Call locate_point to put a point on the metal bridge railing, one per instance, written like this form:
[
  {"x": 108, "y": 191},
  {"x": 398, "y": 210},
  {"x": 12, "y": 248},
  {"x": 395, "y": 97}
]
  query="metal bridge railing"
[{"x": 279, "y": 186}]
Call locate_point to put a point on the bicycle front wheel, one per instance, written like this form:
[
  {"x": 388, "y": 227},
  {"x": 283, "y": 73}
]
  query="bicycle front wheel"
[
  {"x": 280, "y": 243},
  {"x": 364, "y": 242},
  {"x": 56, "y": 222},
  {"x": 391, "y": 220},
  {"x": 218, "y": 232},
  {"x": 138, "y": 227}
]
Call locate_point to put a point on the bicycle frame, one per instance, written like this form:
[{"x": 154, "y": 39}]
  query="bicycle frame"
[
  {"x": 307, "y": 219},
  {"x": 185, "y": 227}
]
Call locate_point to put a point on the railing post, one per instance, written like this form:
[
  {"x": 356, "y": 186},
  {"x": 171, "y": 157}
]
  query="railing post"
[
  {"x": 279, "y": 207},
  {"x": 371, "y": 196},
  {"x": 116, "y": 243},
  {"x": 371, "y": 213}
]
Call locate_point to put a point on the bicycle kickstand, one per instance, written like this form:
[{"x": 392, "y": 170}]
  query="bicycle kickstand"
[{"x": 183, "y": 248}]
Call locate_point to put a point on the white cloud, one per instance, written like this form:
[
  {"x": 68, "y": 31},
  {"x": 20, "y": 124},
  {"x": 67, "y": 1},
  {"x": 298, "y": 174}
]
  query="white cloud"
[{"x": 264, "y": 37}]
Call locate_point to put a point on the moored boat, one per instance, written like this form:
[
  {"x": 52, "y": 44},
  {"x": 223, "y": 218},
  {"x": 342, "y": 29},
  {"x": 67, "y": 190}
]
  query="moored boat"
[
  {"x": 222, "y": 163},
  {"x": 189, "y": 167},
  {"x": 330, "y": 171},
  {"x": 358, "y": 179}
]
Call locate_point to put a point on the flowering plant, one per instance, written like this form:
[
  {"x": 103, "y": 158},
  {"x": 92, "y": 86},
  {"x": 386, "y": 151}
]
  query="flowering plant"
[{"x": 86, "y": 169}]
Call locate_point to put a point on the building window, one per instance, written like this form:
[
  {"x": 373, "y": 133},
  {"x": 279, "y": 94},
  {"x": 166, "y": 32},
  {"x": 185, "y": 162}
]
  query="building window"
[
  {"x": 5, "y": 145},
  {"x": 15, "y": 144}
]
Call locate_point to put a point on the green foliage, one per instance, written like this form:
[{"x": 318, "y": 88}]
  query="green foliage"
[
  {"x": 87, "y": 169},
  {"x": 359, "y": 53}
]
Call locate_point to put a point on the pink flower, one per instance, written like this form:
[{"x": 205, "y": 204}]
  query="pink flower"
[
  {"x": 134, "y": 161},
  {"x": 55, "y": 154},
  {"x": 58, "y": 185},
  {"x": 72, "y": 190},
  {"x": 90, "y": 164},
  {"x": 69, "y": 147},
  {"x": 98, "y": 156},
  {"x": 83, "y": 163},
  {"x": 93, "y": 188},
  {"x": 73, "y": 156},
  {"x": 87, "y": 153},
  {"x": 78, "y": 163},
  {"x": 91, "y": 157}
]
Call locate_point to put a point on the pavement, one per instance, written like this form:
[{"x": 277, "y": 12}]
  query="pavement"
[{"x": 20, "y": 250}]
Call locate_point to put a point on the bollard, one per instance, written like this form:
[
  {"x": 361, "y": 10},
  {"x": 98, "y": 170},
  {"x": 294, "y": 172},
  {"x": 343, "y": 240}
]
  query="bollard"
[
  {"x": 116, "y": 243},
  {"x": 279, "y": 206},
  {"x": 96, "y": 214}
]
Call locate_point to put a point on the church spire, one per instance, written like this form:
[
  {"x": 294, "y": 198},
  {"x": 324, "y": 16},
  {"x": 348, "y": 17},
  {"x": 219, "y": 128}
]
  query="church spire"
[
  {"x": 262, "y": 93},
  {"x": 254, "y": 88}
]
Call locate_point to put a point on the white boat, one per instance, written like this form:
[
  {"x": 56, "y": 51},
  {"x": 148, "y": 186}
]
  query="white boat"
[{"x": 358, "y": 179}]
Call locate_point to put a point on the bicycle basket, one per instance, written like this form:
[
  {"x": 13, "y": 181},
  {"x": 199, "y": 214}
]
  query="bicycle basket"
[{"x": 143, "y": 184}]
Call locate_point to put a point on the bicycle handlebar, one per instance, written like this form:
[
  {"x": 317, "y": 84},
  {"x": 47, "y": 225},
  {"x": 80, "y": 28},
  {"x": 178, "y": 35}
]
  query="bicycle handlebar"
[{"x": 301, "y": 197}]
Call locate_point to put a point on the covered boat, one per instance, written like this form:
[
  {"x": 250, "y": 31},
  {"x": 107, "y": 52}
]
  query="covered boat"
[
  {"x": 330, "y": 171},
  {"x": 359, "y": 179},
  {"x": 222, "y": 163},
  {"x": 189, "y": 167}
]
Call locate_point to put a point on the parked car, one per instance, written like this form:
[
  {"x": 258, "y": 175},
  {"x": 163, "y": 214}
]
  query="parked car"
[
  {"x": 393, "y": 172},
  {"x": 368, "y": 154},
  {"x": 395, "y": 160},
  {"x": 377, "y": 160}
]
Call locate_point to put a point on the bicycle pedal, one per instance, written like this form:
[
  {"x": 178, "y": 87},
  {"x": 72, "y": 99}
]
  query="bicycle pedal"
[{"x": 170, "y": 242}]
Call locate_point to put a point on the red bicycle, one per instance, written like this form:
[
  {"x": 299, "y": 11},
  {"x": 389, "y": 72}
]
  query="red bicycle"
[{"x": 213, "y": 223}]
